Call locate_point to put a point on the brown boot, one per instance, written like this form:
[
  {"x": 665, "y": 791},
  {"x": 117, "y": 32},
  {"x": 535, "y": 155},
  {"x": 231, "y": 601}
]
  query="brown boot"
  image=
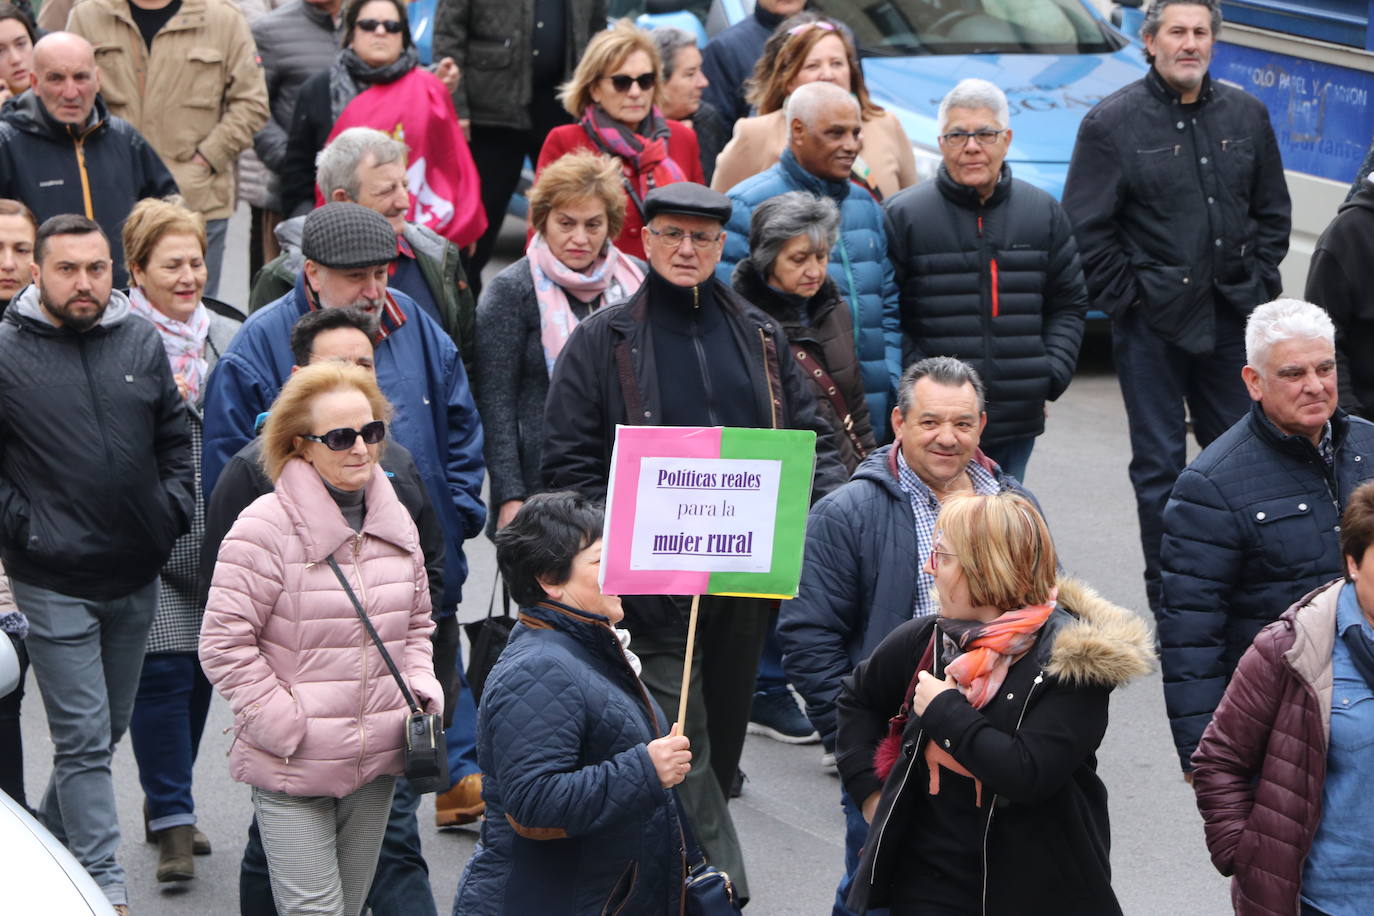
[
  {"x": 175, "y": 862},
  {"x": 460, "y": 805},
  {"x": 201, "y": 844}
]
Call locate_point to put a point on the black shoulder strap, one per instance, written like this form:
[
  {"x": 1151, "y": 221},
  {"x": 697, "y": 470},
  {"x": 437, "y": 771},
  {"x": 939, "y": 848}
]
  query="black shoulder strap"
[{"x": 371, "y": 631}]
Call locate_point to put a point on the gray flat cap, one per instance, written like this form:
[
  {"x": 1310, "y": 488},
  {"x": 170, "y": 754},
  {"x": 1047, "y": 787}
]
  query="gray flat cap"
[
  {"x": 688, "y": 198},
  {"x": 345, "y": 235}
]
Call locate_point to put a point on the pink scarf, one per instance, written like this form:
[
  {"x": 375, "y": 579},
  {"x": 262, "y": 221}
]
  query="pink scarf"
[
  {"x": 612, "y": 276},
  {"x": 987, "y": 650},
  {"x": 184, "y": 342}
]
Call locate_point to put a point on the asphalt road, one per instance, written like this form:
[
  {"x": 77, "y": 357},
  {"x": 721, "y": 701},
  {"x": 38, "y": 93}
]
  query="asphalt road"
[{"x": 789, "y": 816}]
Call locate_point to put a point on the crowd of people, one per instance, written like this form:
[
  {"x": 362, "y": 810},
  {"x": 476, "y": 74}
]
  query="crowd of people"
[{"x": 275, "y": 494}]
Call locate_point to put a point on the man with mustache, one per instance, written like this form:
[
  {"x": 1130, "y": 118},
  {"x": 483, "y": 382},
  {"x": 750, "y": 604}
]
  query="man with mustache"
[
  {"x": 1178, "y": 199},
  {"x": 867, "y": 543},
  {"x": 1254, "y": 522},
  {"x": 96, "y": 483}
]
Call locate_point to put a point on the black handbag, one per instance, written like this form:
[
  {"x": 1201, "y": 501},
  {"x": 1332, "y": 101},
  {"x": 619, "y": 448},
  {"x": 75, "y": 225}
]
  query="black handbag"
[
  {"x": 425, "y": 752},
  {"x": 706, "y": 890},
  {"x": 490, "y": 642}
]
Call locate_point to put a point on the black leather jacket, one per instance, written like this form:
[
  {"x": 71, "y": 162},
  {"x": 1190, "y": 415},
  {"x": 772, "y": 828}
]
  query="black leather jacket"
[{"x": 1178, "y": 207}]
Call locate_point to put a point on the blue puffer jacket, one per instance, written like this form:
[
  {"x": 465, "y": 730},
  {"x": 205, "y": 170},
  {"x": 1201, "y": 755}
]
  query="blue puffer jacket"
[
  {"x": 858, "y": 582},
  {"x": 858, "y": 265},
  {"x": 577, "y": 821},
  {"x": 421, "y": 374},
  {"x": 1253, "y": 525}
]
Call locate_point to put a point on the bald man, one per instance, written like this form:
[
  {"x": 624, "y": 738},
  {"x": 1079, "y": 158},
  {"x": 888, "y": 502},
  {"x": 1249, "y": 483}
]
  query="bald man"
[{"x": 61, "y": 151}]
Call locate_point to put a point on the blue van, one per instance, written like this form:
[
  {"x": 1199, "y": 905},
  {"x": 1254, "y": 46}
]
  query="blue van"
[{"x": 1055, "y": 59}]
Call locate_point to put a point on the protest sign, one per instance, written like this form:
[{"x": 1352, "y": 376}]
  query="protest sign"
[{"x": 706, "y": 511}]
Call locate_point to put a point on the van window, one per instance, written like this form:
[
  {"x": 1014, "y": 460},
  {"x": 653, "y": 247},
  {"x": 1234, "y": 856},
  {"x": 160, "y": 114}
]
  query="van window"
[{"x": 901, "y": 27}]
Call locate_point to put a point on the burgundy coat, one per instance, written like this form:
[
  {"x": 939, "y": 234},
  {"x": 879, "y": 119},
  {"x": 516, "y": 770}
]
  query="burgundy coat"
[{"x": 1259, "y": 769}]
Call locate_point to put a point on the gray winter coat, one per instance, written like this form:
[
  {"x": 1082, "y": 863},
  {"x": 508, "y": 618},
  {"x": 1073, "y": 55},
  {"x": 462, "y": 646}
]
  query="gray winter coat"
[{"x": 490, "y": 41}]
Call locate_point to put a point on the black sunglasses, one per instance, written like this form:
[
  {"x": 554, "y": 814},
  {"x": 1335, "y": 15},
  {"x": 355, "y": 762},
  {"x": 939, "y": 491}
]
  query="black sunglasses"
[
  {"x": 392, "y": 26},
  {"x": 342, "y": 439},
  {"x": 622, "y": 82}
]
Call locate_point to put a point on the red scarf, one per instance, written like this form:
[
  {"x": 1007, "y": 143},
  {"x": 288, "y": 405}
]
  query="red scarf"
[
  {"x": 445, "y": 191},
  {"x": 644, "y": 155}
]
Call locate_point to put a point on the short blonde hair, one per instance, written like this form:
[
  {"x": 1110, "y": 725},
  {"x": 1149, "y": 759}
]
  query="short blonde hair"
[
  {"x": 576, "y": 176},
  {"x": 149, "y": 221},
  {"x": 607, "y": 50},
  {"x": 290, "y": 415},
  {"x": 1003, "y": 546}
]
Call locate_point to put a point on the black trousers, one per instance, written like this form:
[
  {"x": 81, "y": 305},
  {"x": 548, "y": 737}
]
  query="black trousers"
[
  {"x": 11, "y": 734},
  {"x": 1157, "y": 380},
  {"x": 499, "y": 153}
]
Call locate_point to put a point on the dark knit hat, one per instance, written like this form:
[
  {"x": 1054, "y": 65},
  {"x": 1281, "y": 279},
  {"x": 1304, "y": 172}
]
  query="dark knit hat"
[
  {"x": 346, "y": 235},
  {"x": 688, "y": 198}
]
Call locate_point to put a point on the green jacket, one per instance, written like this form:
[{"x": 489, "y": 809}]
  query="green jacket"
[{"x": 439, "y": 262}]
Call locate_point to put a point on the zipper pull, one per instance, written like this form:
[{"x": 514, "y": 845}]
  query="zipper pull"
[
  {"x": 980, "y": 226},
  {"x": 1178, "y": 147},
  {"x": 696, "y": 298},
  {"x": 1223, "y": 145}
]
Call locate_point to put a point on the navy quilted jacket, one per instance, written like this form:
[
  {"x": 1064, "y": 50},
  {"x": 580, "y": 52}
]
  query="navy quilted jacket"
[
  {"x": 858, "y": 265},
  {"x": 576, "y": 821},
  {"x": 1251, "y": 527},
  {"x": 858, "y": 582}
]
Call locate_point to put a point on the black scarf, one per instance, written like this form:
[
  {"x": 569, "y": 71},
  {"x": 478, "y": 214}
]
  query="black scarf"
[{"x": 349, "y": 75}]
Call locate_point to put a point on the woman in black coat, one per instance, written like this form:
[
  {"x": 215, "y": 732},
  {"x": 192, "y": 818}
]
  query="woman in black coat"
[{"x": 987, "y": 800}]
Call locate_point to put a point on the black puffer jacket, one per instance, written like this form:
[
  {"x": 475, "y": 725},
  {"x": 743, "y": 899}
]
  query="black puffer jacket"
[
  {"x": 996, "y": 284},
  {"x": 1253, "y": 524},
  {"x": 1178, "y": 207},
  {"x": 1043, "y": 824},
  {"x": 823, "y": 329},
  {"x": 589, "y": 396},
  {"x": 1338, "y": 281},
  {"x": 99, "y": 171},
  {"x": 96, "y": 478},
  {"x": 491, "y": 41}
]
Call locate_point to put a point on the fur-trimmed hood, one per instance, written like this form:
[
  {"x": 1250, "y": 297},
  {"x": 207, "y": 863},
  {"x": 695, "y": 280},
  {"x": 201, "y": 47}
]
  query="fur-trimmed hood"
[{"x": 1103, "y": 643}]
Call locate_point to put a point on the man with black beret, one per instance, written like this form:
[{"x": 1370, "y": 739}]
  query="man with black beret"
[
  {"x": 685, "y": 350},
  {"x": 347, "y": 249}
]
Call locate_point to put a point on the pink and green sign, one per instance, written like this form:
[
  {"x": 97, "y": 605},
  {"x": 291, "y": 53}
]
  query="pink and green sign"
[{"x": 707, "y": 511}]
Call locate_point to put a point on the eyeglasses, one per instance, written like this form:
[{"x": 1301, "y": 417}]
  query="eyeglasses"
[
  {"x": 672, "y": 238},
  {"x": 621, "y": 81},
  {"x": 342, "y": 439},
  {"x": 936, "y": 553},
  {"x": 392, "y": 26},
  {"x": 985, "y": 137},
  {"x": 819, "y": 24}
]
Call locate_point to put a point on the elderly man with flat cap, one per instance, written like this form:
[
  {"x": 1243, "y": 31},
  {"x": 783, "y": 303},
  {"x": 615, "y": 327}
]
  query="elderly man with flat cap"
[{"x": 685, "y": 350}]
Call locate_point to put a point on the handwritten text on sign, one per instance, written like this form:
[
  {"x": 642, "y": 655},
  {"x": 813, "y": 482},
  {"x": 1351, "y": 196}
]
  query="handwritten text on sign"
[{"x": 705, "y": 515}]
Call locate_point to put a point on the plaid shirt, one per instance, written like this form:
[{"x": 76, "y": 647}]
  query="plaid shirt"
[
  {"x": 924, "y": 508},
  {"x": 1326, "y": 448}
]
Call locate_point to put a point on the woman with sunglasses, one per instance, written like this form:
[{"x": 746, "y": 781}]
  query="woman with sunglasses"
[
  {"x": 318, "y": 717},
  {"x": 971, "y": 735},
  {"x": 377, "y": 81},
  {"x": 164, "y": 245},
  {"x": 615, "y": 94},
  {"x": 809, "y": 48}
]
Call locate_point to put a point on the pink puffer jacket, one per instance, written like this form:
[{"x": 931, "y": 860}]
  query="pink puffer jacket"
[{"x": 316, "y": 712}]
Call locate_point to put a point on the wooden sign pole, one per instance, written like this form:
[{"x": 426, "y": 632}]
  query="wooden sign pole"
[{"x": 681, "y": 722}]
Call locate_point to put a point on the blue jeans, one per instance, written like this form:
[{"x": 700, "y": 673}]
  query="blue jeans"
[
  {"x": 169, "y": 717},
  {"x": 771, "y": 677},
  {"x": 461, "y": 735},
  {"x": 1157, "y": 379},
  {"x": 87, "y": 657},
  {"x": 1012, "y": 456},
  {"x": 400, "y": 886},
  {"x": 855, "y": 835}
]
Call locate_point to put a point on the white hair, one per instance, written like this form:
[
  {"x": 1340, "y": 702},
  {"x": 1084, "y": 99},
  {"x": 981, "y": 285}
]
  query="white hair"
[
  {"x": 336, "y": 166},
  {"x": 806, "y": 100},
  {"x": 974, "y": 94},
  {"x": 1280, "y": 320}
]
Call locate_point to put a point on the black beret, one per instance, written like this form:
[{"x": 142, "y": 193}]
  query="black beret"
[
  {"x": 688, "y": 198},
  {"x": 346, "y": 235}
]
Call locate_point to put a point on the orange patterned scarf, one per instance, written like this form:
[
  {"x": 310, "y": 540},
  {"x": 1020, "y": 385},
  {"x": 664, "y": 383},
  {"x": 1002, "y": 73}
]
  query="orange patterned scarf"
[{"x": 987, "y": 650}]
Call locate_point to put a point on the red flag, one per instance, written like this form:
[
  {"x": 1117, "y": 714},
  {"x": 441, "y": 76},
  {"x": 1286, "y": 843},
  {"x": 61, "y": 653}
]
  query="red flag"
[{"x": 445, "y": 191}]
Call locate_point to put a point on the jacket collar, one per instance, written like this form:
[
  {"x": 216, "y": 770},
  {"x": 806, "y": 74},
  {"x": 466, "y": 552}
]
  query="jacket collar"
[
  {"x": 319, "y": 16},
  {"x": 321, "y": 526},
  {"x": 1096, "y": 641},
  {"x": 1171, "y": 96},
  {"x": 1299, "y": 446},
  {"x": 763, "y": 17},
  {"x": 190, "y": 16},
  {"x": 1313, "y": 619},
  {"x": 786, "y": 308},
  {"x": 800, "y": 178},
  {"x": 26, "y": 311},
  {"x": 28, "y": 114},
  {"x": 967, "y": 197}
]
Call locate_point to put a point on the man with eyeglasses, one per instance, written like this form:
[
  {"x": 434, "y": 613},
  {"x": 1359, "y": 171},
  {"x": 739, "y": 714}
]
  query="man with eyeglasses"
[
  {"x": 989, "y": 273},
  {"x": 685, "y": 350},
  {"x": 824, "y": 138},
  {"x": 343, "y": 335},
  {"x": 1177, "y": 196}
]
